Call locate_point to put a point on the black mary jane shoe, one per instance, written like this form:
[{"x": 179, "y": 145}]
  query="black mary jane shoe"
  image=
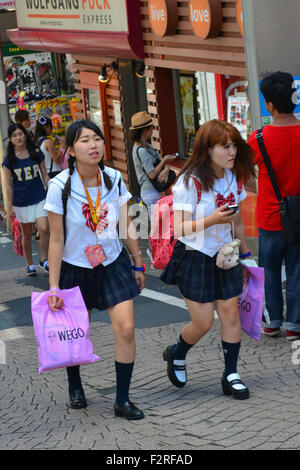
[
  {"x": 128, "y": 411},
  {"x": 167, "y": 356},
  {"x": 77, "y": 399},
  {"x": 229, "y": 389}
]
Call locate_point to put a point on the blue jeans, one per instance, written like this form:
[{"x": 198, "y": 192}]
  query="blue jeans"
[{"x": 273, "y": 250}]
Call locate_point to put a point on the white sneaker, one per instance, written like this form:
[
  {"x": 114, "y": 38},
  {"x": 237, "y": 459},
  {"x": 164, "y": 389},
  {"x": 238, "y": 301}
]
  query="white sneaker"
[{"x": 44, "y": 265}]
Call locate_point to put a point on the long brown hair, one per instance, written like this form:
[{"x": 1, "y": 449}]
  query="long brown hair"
[{"x": 217, "y": 132}]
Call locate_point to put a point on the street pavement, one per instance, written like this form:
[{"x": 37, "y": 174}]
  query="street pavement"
[{"x": 34, "y": 411}]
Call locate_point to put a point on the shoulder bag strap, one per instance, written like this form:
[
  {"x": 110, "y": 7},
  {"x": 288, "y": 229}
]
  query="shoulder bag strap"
[
  {"x": 198, "y": 188},
  {"x": 138, "y": 155},
  {"x": 264, "y": 153}
]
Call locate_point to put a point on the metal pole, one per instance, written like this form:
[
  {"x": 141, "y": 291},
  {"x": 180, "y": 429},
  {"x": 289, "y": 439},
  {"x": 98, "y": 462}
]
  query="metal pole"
[
  {"x": 4, "y": 123},
  {"x": 250, "y": 47}
]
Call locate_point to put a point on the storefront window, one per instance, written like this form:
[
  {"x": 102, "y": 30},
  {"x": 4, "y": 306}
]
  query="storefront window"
[{"x": 93, "y": 106}]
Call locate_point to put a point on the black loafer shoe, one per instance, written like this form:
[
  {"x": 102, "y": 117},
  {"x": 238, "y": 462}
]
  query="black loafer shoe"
[
  {"x": 77, "y": 399},
  {"x": 128, "y": 411},
  {"x": 167, "y": 356},
  {"x": 228, "y": 387}
]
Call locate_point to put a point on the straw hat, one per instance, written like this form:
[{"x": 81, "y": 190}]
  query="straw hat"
[{"x": 140, "y": 120}]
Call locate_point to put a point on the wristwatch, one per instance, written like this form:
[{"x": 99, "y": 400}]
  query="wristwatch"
[{"x": 136, "y": 268}]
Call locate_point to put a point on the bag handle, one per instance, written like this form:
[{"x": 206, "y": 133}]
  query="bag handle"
[{"x": 264, "y": 153}]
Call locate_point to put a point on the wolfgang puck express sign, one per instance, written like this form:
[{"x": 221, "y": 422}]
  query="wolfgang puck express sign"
[
  {"x": 206, "y": 17},
  {"x": 75, "y": 15}
]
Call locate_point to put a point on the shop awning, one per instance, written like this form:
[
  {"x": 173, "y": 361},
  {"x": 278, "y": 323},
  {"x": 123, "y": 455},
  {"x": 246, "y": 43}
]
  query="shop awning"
[{"x": 129, "y": 46}]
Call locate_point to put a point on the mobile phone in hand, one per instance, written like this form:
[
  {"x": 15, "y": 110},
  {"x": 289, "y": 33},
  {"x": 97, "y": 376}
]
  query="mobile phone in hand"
[{"x": 232, "y": 207}]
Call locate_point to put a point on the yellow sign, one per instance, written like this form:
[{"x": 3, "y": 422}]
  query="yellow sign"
[
  {"x": 58, "y": 110},
  {"x": 73, "y": 15}
]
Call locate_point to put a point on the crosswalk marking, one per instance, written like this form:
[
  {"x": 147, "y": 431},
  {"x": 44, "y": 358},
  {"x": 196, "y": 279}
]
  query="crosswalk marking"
[
  {"x": 4, "y": 240},
  {"x": 167, "y": 299}
]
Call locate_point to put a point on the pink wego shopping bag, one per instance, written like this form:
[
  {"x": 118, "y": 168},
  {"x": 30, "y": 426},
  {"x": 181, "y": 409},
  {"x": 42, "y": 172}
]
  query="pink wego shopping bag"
[
  {"x": 63, "y": 336},
  {"x": 251, "y": 303}
]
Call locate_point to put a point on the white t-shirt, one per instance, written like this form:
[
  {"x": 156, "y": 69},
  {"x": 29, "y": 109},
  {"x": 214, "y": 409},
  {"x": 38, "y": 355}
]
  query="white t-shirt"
[
  {"x": 78, "y": 235},
  {"x": 185, "y": 199},
  {"x": 48, "y": 159}
]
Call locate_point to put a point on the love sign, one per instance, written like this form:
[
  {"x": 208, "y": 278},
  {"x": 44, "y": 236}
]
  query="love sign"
[{"x": 206, "y": 17}]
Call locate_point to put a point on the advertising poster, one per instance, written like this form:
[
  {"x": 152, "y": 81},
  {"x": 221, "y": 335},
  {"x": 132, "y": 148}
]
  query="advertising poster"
[
  {"x": 187, "y": 100},
  {"x": 58, "y": 109},
  {"x": 237, "y": 113},
  {"x": 190, "y": 115},
  {"x": 32, "y": 72}
]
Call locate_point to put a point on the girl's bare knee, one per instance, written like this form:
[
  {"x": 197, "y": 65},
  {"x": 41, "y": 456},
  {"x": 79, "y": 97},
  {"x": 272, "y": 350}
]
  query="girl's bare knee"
[{"x": 125, "y": 333}]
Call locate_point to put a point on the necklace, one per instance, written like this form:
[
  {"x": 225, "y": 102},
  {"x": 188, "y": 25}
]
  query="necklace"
[{"x": 95, "y": 210}]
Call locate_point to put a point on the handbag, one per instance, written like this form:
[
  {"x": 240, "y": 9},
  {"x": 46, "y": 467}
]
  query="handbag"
[
  {"x": 63, "y": 337},
  {"x": 289, "y": 206},
  {"x": 17, "y": 236},
  {"x": 160, "y": 187},
  {"x": 251, "y": 302}
]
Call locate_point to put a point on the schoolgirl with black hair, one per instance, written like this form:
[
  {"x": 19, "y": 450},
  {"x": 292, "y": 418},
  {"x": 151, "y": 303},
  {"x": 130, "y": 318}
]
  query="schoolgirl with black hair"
[
  {"x": 23, "y": 167},
  {"x": 43, "y": 130},
  {"x": 86, "y": 203}
]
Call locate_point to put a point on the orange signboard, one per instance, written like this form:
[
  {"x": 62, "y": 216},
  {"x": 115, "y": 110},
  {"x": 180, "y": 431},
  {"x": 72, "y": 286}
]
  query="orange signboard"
[
  {"x": 239, "y": 16},
  {"x": 163, "y": 16},
  {"x": 206, "y": 17}
]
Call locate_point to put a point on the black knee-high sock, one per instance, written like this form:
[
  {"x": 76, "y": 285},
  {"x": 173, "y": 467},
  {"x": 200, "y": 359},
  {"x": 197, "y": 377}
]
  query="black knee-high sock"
[
  {"x": 123, "y": 378},
  {"x": 231, "y": 355},
  {"x": 181, "y": 349},
  {"x": 74, "y": 378}
]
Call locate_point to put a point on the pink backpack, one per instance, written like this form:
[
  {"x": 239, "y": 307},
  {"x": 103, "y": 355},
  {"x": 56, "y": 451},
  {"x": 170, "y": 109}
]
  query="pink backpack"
[{"x": 162, "y": 239}]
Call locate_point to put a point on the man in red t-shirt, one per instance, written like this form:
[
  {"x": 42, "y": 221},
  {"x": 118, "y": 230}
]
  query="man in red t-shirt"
[{"x": 282, "y": 141}]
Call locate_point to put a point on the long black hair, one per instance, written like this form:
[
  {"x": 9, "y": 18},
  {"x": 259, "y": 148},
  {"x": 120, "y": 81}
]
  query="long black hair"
[
  {"x": 72, "y": 135},
  {"x": 32, "y": 150},
  {"x": 40, "y": 130}
]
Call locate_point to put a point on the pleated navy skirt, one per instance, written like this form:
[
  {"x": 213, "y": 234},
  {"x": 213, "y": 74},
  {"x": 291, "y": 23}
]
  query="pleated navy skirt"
[
  {"x": 104, "y": 286},
  {"x": 198, "y": 278}
]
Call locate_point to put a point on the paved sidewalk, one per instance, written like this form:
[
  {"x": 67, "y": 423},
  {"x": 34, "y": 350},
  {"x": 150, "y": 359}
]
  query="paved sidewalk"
[{"x": 34, "y": 412}]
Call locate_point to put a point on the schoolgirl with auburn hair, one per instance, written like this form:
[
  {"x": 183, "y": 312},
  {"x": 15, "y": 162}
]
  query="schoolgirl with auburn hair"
[
  {"x": 85, "y": 203},
  {"x": 216, "y": 132},
  {"x": 220, "y": 161}
]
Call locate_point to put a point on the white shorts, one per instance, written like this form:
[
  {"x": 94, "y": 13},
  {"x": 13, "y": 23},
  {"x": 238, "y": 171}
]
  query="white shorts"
[{"x": 29, "y": 214}]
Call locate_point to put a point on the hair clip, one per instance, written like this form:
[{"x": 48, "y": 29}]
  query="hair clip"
[{"x": 42, "y": 120}]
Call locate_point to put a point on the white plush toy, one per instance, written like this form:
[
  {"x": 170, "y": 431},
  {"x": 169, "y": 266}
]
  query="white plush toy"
[{"x": 228, "y": 255}]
